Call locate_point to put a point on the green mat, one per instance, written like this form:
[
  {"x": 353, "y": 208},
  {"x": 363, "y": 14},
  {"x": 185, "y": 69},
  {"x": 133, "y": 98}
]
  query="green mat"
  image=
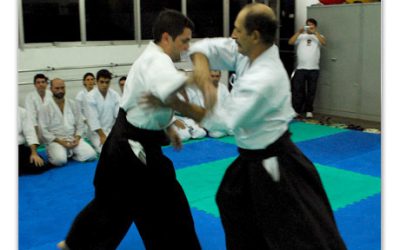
[
  {"x": 346, "y": 187},
  {"x": 301, "y": 132},
  {"x": 343, "y": 187}
]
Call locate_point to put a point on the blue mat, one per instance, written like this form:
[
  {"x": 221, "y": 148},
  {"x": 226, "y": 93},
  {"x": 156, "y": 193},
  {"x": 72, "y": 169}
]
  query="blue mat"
[
  {"x": 195, "y": 153},
  {"x": 49, "y": 202},
  {"x": 360, "y": 224},
  {"x": 342, "y": 147}
]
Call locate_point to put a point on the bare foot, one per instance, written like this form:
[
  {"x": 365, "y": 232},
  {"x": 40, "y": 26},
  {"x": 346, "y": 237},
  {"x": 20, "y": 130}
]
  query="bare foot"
[{"x": 62, "y": 245}]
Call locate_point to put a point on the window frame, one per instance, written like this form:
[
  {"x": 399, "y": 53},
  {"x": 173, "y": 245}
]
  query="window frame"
[{"x": 83, "y": 32}]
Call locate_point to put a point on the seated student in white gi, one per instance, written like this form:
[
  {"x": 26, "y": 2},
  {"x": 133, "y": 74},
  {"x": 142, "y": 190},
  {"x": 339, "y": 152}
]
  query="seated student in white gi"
[
  {"x": 61, "y": 125},
  {"x": 101, "y": 109},
  {"x": 186, "y": 127},
  {"x": 29, "y": 162},
  {"x": 89, "y": 84},
  {"x": 35, "y": 99},
  {"x": 222, "y": 93}
]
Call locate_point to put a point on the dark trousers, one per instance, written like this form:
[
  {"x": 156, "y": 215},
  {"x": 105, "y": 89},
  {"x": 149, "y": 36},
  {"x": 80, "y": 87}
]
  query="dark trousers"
[
  {"x": 24, "y": 165},
  {"x": 304, "y": 88},
  {"x": 127, "y": 191},
  {"x": 260, "y": 213}
]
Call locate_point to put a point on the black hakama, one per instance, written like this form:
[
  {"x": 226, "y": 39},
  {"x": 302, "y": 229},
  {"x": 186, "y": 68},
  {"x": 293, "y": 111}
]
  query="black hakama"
[
  {"x": 292, "y": 213},
  {"x": 126, "y": 191}
]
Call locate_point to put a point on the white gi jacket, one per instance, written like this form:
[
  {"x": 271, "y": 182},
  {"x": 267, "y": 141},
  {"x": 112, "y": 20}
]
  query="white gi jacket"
[
  {"x": 258, "y": 108},
  {"x": 26, "y": 130},
  {"x": 33, "y": 102},
  {"x": 81, "y": 100},
  {"x": 101, "y": 112},
  {"x": 55, "y": 124},
  {"x": 152, "y": 72}
]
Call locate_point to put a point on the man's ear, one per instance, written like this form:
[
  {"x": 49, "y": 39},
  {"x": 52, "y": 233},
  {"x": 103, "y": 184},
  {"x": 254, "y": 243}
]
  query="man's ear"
[
  {"x": 165, "y": 38},
  {"x": 256, "y": 36}
]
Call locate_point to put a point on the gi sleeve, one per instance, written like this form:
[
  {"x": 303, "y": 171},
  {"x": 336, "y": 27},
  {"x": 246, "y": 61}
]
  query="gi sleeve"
[
  {"x": 28, "y": 129},
  {"x": 30, "y": 108},
  {"x": 164, "y": 77},
  {"x": 221, "y": 52},
  {"x": 91, "y": 113}
]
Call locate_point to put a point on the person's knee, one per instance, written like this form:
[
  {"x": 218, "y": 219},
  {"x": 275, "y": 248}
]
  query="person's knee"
[
  {"x": 85, "y": 154},
  {"x": 90, "y": 156},
  {"x": 216, "y": 134},
  {"x": 198, "y": 133},
  {"x": 58, "y": 159}
]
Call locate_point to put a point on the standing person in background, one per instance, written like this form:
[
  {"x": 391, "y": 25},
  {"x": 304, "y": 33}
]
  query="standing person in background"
[
  {"x": 308, "y": 43},
  {"x": 101, "y": 109},
  {"x": 36, "y": 99},
  {"x": 271, "y": 196},
  {"x": 121, "y": 83},
  {"x": 134, "y": 180},
  {"x": 29, "y": 162},
  {"x": 60, "y": 122},
  {"x": 88, "y": 84}
]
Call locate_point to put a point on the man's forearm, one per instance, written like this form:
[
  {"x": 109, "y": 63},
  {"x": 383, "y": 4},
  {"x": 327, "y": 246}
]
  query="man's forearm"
[
  {"x": 190, "y": 110},
  {"x": 293, "y": 39},
  {"x": 321, "y": 39}
]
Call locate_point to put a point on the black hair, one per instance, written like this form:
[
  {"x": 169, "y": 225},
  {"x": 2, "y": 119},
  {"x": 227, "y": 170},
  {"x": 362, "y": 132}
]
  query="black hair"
[
  {"x": 39, "y": 76},
  {"x": 171, "y": 21},
  {"x": 265, "y": 24},
  {"x": 87, "y": 74},
  {"x": 122, "y": 78},
  {"x": 313, "y": 21},
  {"x": 103, "y": 73}
]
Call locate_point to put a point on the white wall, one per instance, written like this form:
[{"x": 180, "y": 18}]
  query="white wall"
[
  {"x": 77, "y": 56},
  {"x": 72, "y": 56}
]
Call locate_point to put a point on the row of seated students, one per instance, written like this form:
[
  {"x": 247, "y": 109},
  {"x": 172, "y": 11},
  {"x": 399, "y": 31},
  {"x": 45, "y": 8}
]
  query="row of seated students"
[{"x": 62, "y": 124}]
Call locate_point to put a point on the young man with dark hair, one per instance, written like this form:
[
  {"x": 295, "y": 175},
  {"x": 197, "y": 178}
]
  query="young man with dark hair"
[
  {"x": 134, "y": 180},
  {"x": 271, "y": 196},
  {"x": 101, "y": 109},
  {"x": 36, "y": 99},
  {"x": 308, "y": 43}
]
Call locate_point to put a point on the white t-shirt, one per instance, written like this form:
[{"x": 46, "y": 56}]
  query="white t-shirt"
[{"x": 308, "y": 51}]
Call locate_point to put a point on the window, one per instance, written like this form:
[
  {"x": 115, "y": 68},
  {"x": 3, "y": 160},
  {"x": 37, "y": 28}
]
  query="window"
[
  {"x": 207, "y": 16},
  {"x": 47, "y": 21},
  {"x": 149, "y": 10},
  {"x": 109, "y": 20},
  {"x": 51, "y": 20}
]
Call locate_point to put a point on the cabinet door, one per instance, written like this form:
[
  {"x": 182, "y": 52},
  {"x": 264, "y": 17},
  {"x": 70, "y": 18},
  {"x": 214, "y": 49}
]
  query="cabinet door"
[
  {"x": 338, "y": 91},
  {"x": 371, "y": 57}
]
